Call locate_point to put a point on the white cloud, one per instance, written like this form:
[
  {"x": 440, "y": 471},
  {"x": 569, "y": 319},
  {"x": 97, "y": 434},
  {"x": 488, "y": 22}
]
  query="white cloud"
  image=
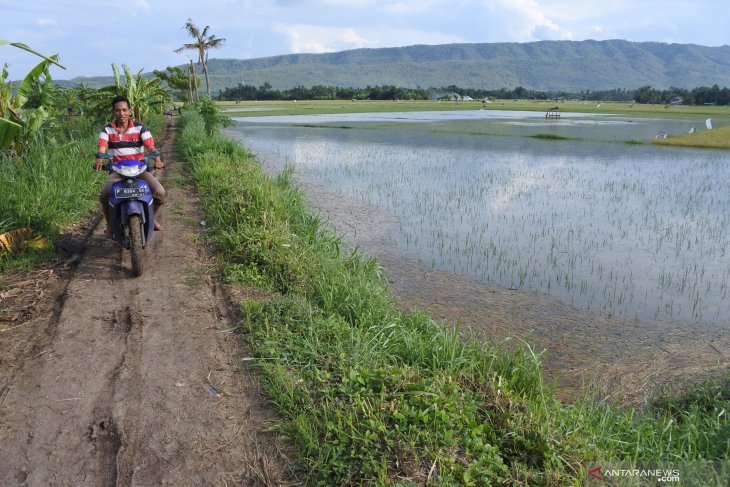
[
  {"x": 531, "y": 22},
  {"x": 318, "y": 39},
  {"x": 45, "y": 22}
]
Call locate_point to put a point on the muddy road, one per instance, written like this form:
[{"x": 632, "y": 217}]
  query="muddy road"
[{"x": 111, "y": 380}]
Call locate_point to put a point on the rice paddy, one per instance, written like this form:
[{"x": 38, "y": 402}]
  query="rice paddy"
[
  {"x": 625, "y": 229},
  {"x": 370, "y": 394}
]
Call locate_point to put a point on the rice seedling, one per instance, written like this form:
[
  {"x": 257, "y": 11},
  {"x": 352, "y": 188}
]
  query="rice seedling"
[{"x": 623, "y": 230}]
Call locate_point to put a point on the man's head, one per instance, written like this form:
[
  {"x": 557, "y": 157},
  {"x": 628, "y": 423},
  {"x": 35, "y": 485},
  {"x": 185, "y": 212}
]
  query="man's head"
[{"x": 121, "y": 109}]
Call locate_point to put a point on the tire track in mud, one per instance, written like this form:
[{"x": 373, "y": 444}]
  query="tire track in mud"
[
  {"x": 114, "y": 440},
  {"x": 126, "y": 375},
  {"x": 65, "y": 404}
]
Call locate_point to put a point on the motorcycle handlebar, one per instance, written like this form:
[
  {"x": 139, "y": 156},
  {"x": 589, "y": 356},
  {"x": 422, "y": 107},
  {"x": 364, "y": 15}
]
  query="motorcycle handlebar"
[
  {"x": 148, "y": 157},
  {"x": 152, "y": 155}
]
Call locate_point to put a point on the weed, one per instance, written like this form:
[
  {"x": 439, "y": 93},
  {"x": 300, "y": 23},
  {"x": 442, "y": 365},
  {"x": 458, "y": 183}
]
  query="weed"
[{"x": 195, "y": 277}]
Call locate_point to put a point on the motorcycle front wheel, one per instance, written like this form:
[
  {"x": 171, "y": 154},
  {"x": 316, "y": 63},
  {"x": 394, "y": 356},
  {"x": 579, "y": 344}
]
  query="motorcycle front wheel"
[{"x": 135, "y": 244}]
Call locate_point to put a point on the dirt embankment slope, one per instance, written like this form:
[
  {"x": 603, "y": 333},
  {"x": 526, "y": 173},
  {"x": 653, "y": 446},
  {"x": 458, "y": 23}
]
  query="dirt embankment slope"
[{"x": 111, "y": 380}]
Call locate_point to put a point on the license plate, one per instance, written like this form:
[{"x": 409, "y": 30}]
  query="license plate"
[{"x": 137, "y": 192}]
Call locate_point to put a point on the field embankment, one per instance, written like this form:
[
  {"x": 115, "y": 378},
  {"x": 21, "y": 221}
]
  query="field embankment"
[
  {"x": 708, "y": 139},
  {"x": 372, "y": 394}
]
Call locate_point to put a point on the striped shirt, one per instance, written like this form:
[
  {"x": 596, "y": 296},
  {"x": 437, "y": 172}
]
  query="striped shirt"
[{"x": 126, "y": 146}]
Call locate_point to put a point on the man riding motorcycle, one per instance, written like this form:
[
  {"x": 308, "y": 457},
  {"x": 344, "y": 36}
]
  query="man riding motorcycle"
[{"x": 125, "y": 139}]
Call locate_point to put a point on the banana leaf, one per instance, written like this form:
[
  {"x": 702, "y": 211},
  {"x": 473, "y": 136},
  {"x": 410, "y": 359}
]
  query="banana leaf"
[
  {"x": 22, "y": 46},
  {"x": 34, "y": 119},
  {"x": 25, "y": 88},
  {"x": 9, "y": 130}
]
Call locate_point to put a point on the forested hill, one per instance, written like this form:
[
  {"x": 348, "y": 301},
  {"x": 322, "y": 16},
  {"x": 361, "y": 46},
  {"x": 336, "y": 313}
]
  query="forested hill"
[{"x": 572, "y": 66}]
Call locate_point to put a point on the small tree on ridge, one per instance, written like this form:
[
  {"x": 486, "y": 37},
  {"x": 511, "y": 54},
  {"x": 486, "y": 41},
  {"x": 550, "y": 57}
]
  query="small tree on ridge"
[{"x": 202, "y": 43}]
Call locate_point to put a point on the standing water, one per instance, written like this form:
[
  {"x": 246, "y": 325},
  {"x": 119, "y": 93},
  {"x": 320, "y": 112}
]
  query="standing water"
[{"x": 635, "y": 231}]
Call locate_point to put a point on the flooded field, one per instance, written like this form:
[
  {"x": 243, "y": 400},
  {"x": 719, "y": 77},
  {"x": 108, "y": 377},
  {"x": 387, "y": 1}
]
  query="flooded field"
[{"x": 604, "y": 253}]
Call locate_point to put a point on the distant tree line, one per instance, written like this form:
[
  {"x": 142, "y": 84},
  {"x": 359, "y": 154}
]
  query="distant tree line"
[
  {"x": 698, "y": 96},
  {"x": 321, "y": 92},
  {"x": 646, "y": 94}
]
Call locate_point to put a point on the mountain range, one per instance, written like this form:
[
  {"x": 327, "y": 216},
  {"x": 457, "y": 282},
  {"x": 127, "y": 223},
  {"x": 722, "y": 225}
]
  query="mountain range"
[{"x": 571, "y": 66}]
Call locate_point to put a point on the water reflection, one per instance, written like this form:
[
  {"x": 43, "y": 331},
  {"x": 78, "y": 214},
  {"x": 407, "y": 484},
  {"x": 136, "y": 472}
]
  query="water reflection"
[{"x": 624, "y": 230}]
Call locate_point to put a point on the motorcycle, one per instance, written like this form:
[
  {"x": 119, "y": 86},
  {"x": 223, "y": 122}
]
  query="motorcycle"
[{"x": 131, "y": 207}]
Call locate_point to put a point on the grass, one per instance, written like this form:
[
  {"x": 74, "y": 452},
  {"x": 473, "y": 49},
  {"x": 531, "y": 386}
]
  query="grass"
[
  {"x": 194, "y": 277},
  {"x": 273, "y": 108},
  {"x": 709, "y": 139},
  {"x": 47, "y": 186},
  {"x": 551, "y": 137},
  {"x": 370, "y": 394}
]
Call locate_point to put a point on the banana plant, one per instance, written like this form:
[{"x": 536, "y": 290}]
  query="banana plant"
[
  {"x": 143, "y": 93},
  {"x": 17, "y": 123}
]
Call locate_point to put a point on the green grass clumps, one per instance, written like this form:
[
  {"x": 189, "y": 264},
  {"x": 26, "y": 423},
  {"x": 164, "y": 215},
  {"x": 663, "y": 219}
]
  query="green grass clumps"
[
  {"x": 369, "y": 394},
  {"x": 549, "y": 137},
  {"x": 410, "y": 399},
  {"x": 709, "y": 139},
  {"x": 47, "y": 186}
]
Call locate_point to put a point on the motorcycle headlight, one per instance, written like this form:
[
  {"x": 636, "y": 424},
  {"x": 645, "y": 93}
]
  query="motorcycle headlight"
[{"x": 129, "y": 169}]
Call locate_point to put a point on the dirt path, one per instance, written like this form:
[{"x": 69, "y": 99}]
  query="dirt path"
[{"x": 111, "y": 380}]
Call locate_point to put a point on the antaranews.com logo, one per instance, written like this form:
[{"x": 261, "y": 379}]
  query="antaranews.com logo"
[
  {"x": 655, "y": 475},
  {"x": 698, "y": 473}
]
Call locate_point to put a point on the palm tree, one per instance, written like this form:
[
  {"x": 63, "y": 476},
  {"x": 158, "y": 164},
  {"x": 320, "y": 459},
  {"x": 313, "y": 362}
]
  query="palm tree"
[{"x": 202, "y": 43}]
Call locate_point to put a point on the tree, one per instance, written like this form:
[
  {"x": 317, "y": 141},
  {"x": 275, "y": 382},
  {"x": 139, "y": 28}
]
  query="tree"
[
  {"x": 178, "y": 80},
  {"x": 203, "y": 42}
]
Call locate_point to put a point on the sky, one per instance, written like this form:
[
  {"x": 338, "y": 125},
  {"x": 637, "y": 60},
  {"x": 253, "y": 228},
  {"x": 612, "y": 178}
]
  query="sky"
[{"x": 89, "y": 36}]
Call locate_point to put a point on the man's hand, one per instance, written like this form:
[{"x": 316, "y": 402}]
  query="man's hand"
[
  {"x": 158, "y": 162},
  {"x": 100, "y": 158}
]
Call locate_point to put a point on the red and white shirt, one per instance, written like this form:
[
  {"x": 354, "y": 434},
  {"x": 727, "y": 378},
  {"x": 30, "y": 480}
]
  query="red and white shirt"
[{"x": 129, "y": 145}]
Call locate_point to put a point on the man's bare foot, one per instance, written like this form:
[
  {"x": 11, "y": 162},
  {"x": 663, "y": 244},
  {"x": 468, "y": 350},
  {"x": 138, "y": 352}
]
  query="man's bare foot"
[{"x": 158, "y": 226}]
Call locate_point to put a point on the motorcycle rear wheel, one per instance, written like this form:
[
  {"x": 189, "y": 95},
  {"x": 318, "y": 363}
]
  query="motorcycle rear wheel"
[{"x": 135, "y": 244}]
